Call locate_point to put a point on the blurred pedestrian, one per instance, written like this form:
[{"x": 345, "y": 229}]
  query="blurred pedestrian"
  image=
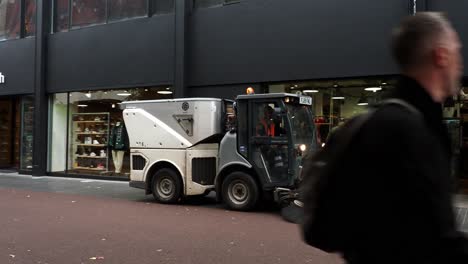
[{"x": 389, "y": 200}]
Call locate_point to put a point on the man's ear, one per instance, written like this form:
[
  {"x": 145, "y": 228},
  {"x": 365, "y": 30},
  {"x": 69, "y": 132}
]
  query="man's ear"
[{"x": 440, "y": 57}]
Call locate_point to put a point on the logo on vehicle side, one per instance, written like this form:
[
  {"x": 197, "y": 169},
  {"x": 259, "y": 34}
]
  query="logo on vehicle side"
[
  {"x": 2, "y": 78},
  {"x": 185, "y": 106}
]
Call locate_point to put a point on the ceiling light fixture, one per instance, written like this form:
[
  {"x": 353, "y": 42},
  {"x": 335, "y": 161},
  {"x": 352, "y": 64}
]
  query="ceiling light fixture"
[
  {"x": 384, "y": 83},
  {"x": 373, "y": 89},
  {"x": 124, "y": 94},
  {"x": 363, "y": 101},
  {"x": 164, "y": 92},
  {"x": 311, "y": 91},
  {"x": 338, "y": 95},
  {"x": 82, "y": 105},
  {"x": 88, "y": 94}
]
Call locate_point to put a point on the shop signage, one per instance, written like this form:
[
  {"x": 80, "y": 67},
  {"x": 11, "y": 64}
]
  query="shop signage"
[{"x": 2, "y": 78}]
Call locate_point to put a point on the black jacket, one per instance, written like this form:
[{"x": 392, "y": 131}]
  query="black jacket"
[{"x": 395, "y": 189}]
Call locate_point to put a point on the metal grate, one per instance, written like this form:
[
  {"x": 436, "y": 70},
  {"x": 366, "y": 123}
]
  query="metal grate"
[
  {"x": 138, "y": 162},
  {"x": 204, "y": 170}
]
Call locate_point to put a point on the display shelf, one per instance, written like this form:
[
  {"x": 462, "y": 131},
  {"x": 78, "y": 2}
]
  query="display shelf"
[
  {"x": 79, "y": 121},
  {"x": 91, "y": 169},
  {"x": 86, "y": 129},
  {"x": 91, "y": 133},
  {"x": 91, "y": 145},
  {"x": 89, "y": 157}
]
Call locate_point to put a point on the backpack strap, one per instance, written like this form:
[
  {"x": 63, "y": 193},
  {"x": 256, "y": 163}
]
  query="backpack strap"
[
  {"x": 400, "y": 102},
  {"x": 354, "y": 127}
]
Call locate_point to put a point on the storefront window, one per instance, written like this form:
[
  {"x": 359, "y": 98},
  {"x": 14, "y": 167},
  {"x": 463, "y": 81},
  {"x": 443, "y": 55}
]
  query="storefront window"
[
  {"x": 30, "y": 18},
  {"x": 124, "y": 9},
  {"x": 58, "y": 133},
  {"x": 10, "y": 15},
  {"x": 27, "y": 129},
  {"x": 61, "y": 15},
  {"x": 335, "y": 102},
  {"x": 91, "y": 135},
  {"x": 88, "y": 12},
  {"x": 163, "y": 6}
]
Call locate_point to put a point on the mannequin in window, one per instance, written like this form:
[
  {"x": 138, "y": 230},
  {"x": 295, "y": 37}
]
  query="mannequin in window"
[{"x": 118, "y": 143}]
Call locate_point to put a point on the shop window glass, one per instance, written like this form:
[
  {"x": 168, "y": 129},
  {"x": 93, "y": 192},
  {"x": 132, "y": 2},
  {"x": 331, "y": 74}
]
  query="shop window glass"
[
  {"x": 207, "y": 3},
  {"x": 58, "y": 132},
  {"x": 88, "y": 12},
  {"x": 212, "y": 3},
  {"x": 30, "y": 18},
  {"x": 61, "y": 17},
  {"x": 163, "y": 6},
  {"x": 10, "y": 16},
  {"x": 336, "y": 102},
  {"x": 89, "y": 131},
  {"x": 124, "y": 9},
  {"x": 27, "y": 125}
]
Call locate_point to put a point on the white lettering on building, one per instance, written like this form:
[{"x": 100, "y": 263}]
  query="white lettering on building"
[{"x": 2, "y": 78}]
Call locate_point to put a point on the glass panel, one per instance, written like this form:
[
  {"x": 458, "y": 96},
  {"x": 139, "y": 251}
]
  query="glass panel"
[
  {"x": 98, "y": 144},
  {"x": 61, "y": 15},
  {"x": 6, "y": 133},
  {"x": 10, "y": 19},
  {"x": 163, "y": 6},
  {"x": 58, "y": 133},
  {"x": 30, "y": 18},
  {"x": 27, "y": 127},
  {"x": 270, "y": 156},
  {"x": 88, "y": 12},
  {"x": 207, "y": 3},
  {"x": 122, "y": 9}
]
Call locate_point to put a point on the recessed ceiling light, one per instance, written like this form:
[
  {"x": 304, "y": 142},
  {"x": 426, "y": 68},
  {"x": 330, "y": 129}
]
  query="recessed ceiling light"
[
  {"x": 124, "y": 94},
  {"x": 373, "y": 89},
  {"x": 164, "y": 92},
  {"x": 168, "y": 88},
  {"x": 146, "y": 90},
  {"x": 336, "y": 85},
  {"x": 311, "y": 91},
  {"x": 82, "y": 105},
  {"x": 296, "y": 85},
  {"x": 384, "y": 83},
  {"x": 338, "y": 97},
  {"x": 363, "y": 104}
]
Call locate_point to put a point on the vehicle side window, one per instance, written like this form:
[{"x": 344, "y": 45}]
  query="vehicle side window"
[{"x": 266, "y": 122}]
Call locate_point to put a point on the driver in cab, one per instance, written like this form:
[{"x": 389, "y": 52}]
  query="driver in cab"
[{"x": 267, "y": 126}]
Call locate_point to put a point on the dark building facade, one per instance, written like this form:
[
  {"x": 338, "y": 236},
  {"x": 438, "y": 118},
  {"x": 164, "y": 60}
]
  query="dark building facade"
[{"x": 66, "y": 64}]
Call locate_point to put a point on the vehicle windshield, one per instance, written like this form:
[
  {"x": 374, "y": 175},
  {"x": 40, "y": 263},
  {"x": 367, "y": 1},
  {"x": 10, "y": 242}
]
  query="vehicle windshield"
[{"x": 303, "y": 128}]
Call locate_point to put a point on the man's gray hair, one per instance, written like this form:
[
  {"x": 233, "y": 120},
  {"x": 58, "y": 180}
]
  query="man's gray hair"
[{"x": 414, "y": 39}]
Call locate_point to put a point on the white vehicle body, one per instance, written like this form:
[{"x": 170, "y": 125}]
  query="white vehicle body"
[{"x": 166, "y": 131}]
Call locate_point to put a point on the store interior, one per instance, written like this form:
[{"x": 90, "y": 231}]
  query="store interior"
[
  {"x": 16, "y": 133},
  {"x": 88, "y": 133},
  {"x": 336, "y": 101}
]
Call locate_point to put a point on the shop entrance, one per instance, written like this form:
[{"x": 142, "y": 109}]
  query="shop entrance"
[{"x": 10, "y": 120}]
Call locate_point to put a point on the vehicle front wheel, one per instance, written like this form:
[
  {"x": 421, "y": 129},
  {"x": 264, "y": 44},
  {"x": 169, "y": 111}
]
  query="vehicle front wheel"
[
  {"x": 167, "y": 186},
  {"x": 240, "y": 191}
]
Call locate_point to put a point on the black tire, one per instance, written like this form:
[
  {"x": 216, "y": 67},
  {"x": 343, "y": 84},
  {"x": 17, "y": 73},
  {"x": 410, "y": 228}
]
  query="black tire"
[
  {"x": 167, "y": 186},
  {"x": 240, "y": 191}
]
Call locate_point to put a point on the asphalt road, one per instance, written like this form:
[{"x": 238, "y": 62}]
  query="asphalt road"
[{"x": 67, "y": 221}]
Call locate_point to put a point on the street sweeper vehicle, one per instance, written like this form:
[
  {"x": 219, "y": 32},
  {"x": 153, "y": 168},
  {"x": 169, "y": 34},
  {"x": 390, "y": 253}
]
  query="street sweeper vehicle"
[{"x": 245, "y": 150}]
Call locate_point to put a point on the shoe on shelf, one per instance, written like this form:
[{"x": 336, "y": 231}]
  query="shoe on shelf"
[
  {"x": 96, "y": 142},
  {"x": 92, "y": 154}
]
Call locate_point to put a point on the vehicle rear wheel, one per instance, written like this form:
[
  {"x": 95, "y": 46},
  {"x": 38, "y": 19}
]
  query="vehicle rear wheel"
[
  {"x": 240, "y": 191},
  {"x": 167, "y": 186}
]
